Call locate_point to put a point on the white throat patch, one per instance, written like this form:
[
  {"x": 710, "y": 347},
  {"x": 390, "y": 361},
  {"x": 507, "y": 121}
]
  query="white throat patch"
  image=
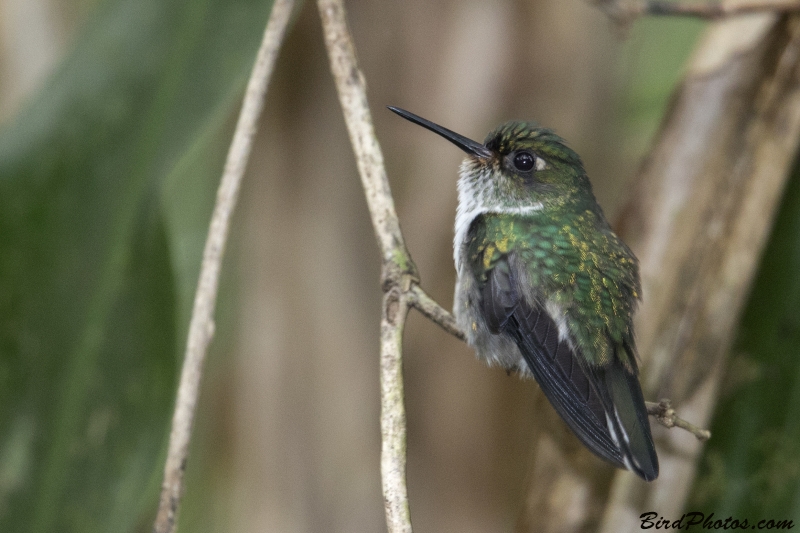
[{"x": 475, "y": 197}]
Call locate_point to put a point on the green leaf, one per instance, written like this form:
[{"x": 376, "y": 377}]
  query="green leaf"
[{"x": 106, "y": 187}]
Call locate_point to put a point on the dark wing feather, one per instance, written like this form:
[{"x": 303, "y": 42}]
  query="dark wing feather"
[
  {"x": 550, "y": 360},
  {"x": 622, "y": 392},
  {"x": 602, "y": 405}
]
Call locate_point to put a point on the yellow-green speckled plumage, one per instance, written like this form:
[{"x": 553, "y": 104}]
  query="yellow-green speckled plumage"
[
  {"x": 576, "y": 262},
  {"x": 546, "y": 289}
]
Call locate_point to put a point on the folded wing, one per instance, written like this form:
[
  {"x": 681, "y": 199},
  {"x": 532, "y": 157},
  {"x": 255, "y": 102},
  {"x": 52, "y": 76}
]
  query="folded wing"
[{"x": 603, "y": 406}]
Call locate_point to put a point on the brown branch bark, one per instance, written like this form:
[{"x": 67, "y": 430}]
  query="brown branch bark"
[
  {"x": 626, "y": 11},
  {"x": 201, "y": 328}
]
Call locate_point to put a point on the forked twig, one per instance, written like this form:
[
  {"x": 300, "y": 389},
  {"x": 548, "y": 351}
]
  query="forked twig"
[{"x": 665, "y": 415}]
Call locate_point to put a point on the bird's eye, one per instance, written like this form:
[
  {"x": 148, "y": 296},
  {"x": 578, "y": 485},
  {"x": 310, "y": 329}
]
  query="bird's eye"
[{"x": 524, "y": 161}]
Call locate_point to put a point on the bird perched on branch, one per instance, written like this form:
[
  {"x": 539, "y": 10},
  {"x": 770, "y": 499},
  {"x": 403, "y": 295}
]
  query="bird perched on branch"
[{"x": 545, "y": 288}]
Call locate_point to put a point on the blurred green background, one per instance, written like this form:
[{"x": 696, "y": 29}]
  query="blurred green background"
[{"x": 115, "y": 116}]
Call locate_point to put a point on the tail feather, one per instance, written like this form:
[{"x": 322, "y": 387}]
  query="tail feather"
[{"x": 629, "y": 425}]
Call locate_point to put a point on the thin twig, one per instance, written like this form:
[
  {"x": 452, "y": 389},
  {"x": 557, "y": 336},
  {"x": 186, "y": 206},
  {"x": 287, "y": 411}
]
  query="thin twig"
[
  {"x": 715, "y": 10},
  {"x": 369, "y": 158},
  {"x": 201, "y": 328},
  {"x": 426, "y": 305},
  {"x": 665, "y": 415},
  {"x": 626, "y": 11}
]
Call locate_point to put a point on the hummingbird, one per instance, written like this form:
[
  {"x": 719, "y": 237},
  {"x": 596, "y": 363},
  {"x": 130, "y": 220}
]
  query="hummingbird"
[{"x": 546, "y": 289}]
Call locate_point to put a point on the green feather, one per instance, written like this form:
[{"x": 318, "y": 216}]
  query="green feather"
[{"x": 574, "y": 260}]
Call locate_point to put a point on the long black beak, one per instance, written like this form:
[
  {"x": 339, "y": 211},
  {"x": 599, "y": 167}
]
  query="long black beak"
[{"x": 468, "y": 145}]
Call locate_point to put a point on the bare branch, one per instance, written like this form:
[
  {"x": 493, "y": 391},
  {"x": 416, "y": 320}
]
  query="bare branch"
[
  {"x": 393, "y": 413},
  {"x": 626, "y": 11},
  {"x": 715, "y": 10},
  {"x": 398, "y": 271},
  {"x": 201, "y": 328},
  {"x": 666, "y": 416},
  {"x": 426, "y": 305},
  {"x": 369, "y": 158}
]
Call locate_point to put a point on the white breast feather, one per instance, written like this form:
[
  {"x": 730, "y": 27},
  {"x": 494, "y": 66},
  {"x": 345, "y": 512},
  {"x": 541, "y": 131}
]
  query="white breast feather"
[{"x": 475, "y": 198}]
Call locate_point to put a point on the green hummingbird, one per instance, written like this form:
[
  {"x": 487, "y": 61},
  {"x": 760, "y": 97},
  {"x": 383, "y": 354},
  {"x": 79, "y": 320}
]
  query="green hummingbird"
[{"x": 546, "y": 289}]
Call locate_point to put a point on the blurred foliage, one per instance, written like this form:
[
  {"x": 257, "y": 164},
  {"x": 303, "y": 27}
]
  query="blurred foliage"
[
  {"x": 751, "y": 467},
  {"x": 655, "y": 53},
  {"x": 106, "y": 186}
]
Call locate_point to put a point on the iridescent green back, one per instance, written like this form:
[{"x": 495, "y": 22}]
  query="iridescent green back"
[{"x": 576, "y": 262}]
